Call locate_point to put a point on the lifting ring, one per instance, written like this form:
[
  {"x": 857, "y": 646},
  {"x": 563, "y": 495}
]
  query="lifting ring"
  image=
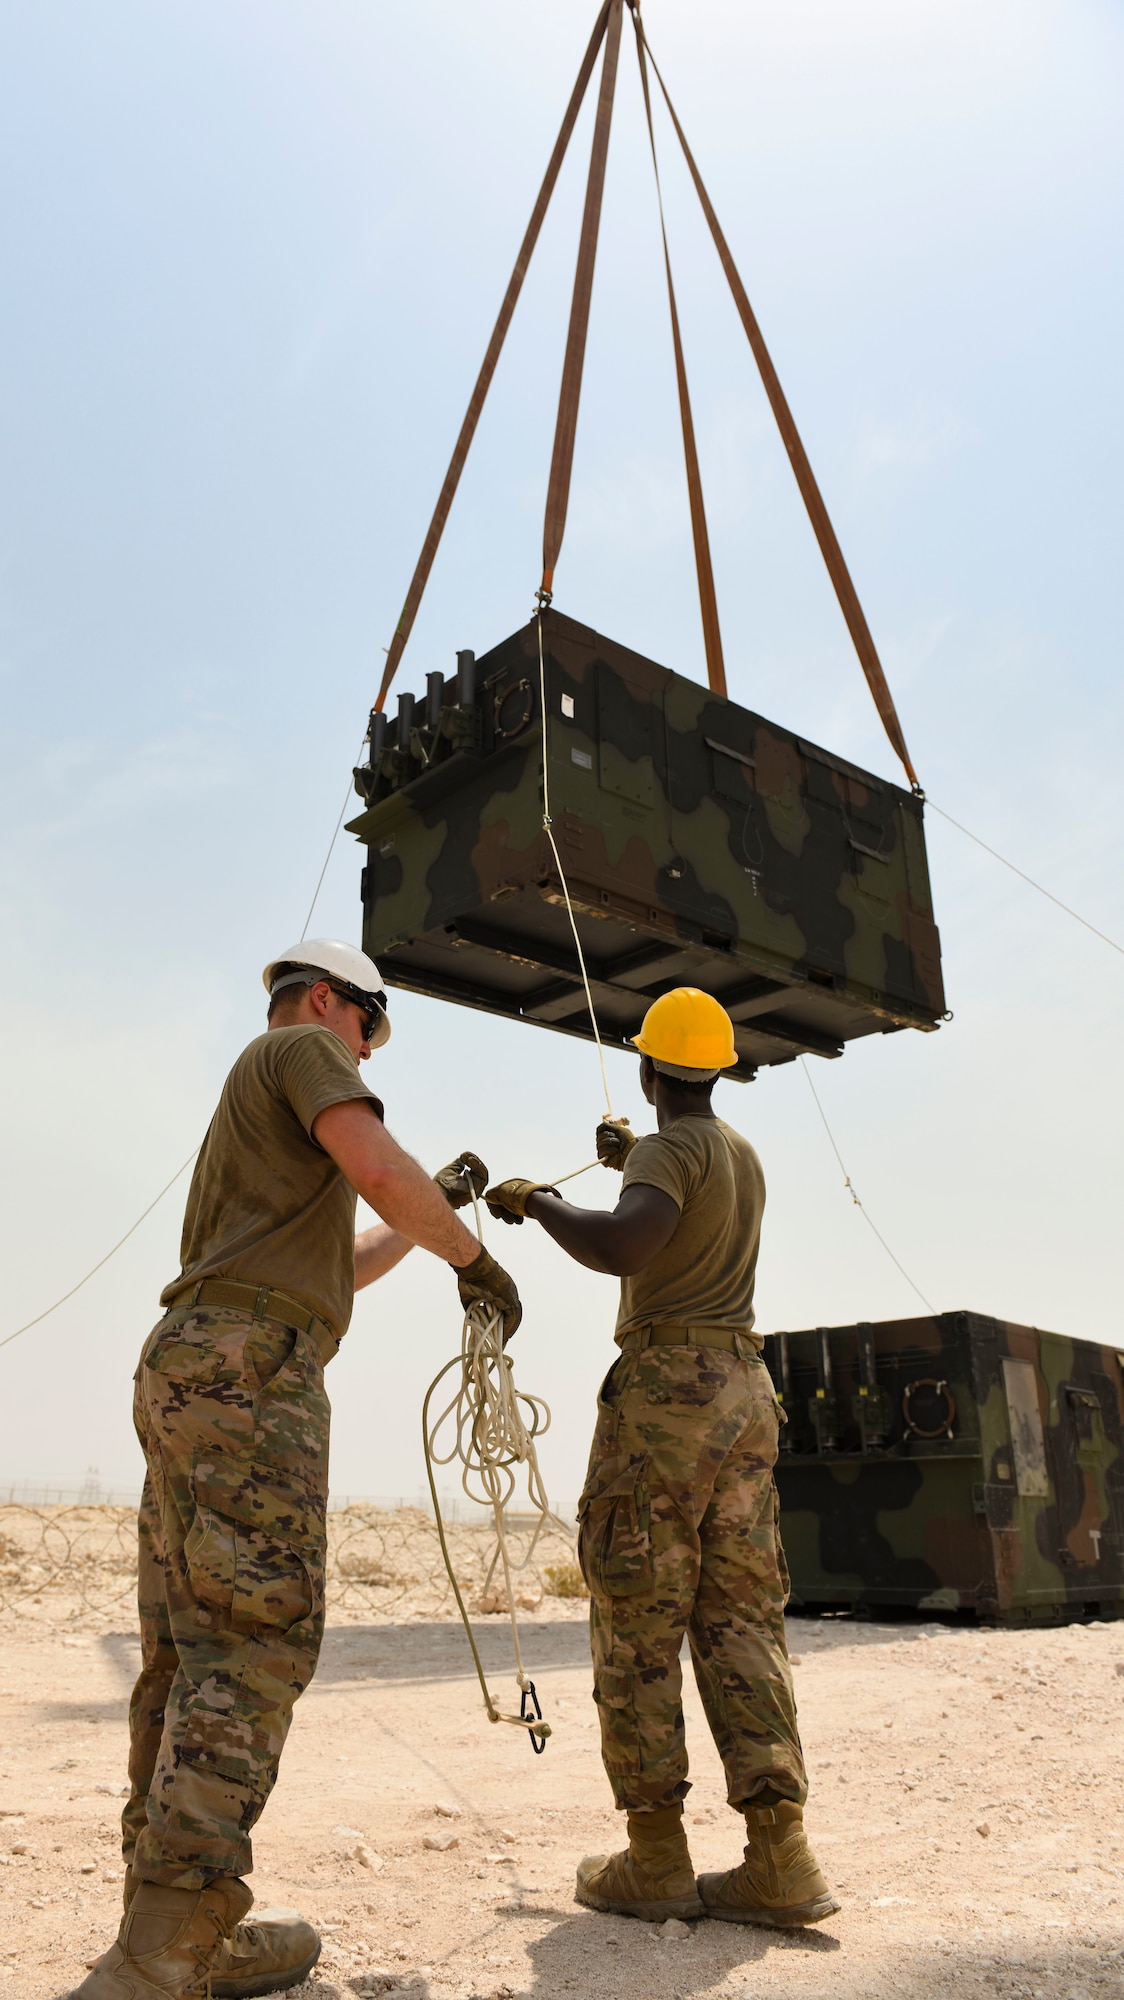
[
  {"x": 939, "y": 1388},
  {"x": 502, "y": 696}
]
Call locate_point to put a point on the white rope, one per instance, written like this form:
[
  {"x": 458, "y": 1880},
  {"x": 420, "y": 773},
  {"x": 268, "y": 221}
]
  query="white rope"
[
  {"x": 932, "y": 806},
  {"x": 331, "y": 850},
  {"x": 168, "y": 1185},
  {"x": 573, "y": 1173},
  {"x": 94, "y": 1268},
  {"x": 490, "y": 1437},
  {"x": 851, "y": 1190},
  {"x": 145, "y": 1213},
  {"x": 491, "y": 1427},
  {"x": 547, "y": 826}
]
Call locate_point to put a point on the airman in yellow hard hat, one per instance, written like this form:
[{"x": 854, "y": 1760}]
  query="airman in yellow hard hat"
[{"x": 677, "y": 1522}]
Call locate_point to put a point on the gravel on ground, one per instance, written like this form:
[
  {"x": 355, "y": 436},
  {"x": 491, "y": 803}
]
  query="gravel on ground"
[{"x": 967, "y": 1804}]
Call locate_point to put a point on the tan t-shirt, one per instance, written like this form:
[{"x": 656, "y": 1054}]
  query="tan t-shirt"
[
  {"x": 267, "y": 1205},
  {"x": 704, "y": 1276}
]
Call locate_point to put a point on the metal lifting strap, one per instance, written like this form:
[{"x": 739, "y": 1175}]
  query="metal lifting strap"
[
  {"x": 708, "y": 601},
  {"x": 488, "y": 367},
  {"x": 805, "y": 478},
  {"x": 561, "y": 464}
]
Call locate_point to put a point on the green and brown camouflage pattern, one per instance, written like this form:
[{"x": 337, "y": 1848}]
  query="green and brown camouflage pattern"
[
  {"x": 233, "y": 1419},
  {"x": 677, "y": 1533},
  {"x": 702, "y": 845},
  {"x": 1013, "y": 1509}
]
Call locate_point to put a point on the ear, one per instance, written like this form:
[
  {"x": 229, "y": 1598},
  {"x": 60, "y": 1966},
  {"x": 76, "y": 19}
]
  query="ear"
[{"x": 320, "y": 995}]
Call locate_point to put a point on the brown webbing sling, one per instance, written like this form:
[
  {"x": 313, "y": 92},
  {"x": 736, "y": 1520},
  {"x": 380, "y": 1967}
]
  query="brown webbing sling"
[
  {"x": 569, "y": 396},
  {"x": 708, "y": 601},
  {"x": 805, "y": 478},
  {"x": 488, "y": 367},
  {"x": 608, "y": 28}
]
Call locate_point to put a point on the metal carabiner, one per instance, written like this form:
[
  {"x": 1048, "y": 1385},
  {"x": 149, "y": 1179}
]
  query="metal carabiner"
[{"x": 538, "y": 1743}]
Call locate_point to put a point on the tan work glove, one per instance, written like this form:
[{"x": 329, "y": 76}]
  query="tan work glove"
[
  {"x": 615, "y": 1141},
  {"x": 453, "y": 1180},
  {"x": 507, "y": 1201},
  {"x": 485, "y": 1281}
]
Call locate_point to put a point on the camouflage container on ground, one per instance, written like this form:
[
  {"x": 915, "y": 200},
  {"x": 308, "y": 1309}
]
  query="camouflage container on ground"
[
  {"x": 702, "y": 845},
  {"x": 952, "y": 1464}
]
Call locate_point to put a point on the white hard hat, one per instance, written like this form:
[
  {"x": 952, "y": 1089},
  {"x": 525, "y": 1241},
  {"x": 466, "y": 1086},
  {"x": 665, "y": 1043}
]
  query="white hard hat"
[{"x": 344, "y": 963}]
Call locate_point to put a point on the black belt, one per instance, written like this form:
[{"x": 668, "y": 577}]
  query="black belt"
[{"x": 264, "y": 1304}]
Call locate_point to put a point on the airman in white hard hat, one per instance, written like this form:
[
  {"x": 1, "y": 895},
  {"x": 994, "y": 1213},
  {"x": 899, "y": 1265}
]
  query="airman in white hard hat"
[
  {"x": 349, "y": 973},
  {"x": 231, "y": 1410}
]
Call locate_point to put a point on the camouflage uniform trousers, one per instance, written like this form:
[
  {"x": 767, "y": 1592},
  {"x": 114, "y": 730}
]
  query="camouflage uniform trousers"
[
  {"x": 233, "y": 1418},
  {"x": 678, "y": 1532}
]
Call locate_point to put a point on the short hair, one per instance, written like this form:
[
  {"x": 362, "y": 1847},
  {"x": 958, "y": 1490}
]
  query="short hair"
[
  {"x": 700, "y": 1088},
  {"x": 284, "y": 1001}
]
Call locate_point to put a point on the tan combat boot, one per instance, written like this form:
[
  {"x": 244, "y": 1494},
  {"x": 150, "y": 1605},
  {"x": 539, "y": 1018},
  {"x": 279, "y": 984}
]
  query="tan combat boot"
[
  {"x": 169, "y": 1942},
  {"x": 266, "y": 1955},
  {"x": 653, "y": 1878},
  {"x": 778, "y": 1883}
]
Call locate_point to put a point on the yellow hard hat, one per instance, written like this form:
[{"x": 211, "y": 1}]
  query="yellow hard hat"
[{"x": 688, "y": 1030}]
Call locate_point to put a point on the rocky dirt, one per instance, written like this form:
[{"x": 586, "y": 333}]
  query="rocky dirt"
[{"x": 967, "y": 1803}]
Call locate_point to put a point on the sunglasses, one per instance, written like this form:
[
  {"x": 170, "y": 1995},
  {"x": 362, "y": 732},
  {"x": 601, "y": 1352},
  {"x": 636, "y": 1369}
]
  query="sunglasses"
[{"x": 370, "y": 1017}]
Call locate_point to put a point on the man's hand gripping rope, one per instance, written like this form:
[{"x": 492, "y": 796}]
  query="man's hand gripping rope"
[{"x": 507, "y": 1201}]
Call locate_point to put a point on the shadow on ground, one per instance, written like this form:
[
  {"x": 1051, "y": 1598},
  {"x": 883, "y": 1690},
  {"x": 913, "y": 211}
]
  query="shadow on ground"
[{"x": 419, "y": 1653}]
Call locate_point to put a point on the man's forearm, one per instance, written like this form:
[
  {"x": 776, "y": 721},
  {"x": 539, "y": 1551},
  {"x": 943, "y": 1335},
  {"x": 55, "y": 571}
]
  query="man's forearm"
[
  {"x": 391, "y": 1182},
  {"x": 412, "y": 1206},
  {"x": 377, "y": 1251},
  {"x": 588, "y": 1236}
]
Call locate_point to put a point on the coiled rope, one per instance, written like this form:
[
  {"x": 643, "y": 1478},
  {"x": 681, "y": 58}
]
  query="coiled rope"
[{"x": 491, "y": 1427}]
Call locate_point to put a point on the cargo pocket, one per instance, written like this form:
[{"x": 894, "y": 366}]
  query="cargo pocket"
[
  {"x": 614, "y": 1528},
  {"x": 255, "y": 1548}
]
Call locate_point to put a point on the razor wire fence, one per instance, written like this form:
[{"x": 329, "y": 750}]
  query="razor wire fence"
[{"x": 70, "y": 1561}]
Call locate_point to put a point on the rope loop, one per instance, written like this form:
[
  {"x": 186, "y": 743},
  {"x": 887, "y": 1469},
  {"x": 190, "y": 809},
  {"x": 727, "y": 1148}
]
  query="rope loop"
[{"x": 489, "y": 1429}]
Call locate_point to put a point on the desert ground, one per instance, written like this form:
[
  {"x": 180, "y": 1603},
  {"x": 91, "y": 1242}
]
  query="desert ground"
[{"x": 967, "y": 1803}]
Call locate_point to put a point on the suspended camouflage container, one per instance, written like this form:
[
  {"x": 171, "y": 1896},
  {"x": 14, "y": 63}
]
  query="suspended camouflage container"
[{"x": 701, "y": 846}]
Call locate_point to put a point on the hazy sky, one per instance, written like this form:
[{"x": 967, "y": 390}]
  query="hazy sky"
[{"x": 251, "y": 257}]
